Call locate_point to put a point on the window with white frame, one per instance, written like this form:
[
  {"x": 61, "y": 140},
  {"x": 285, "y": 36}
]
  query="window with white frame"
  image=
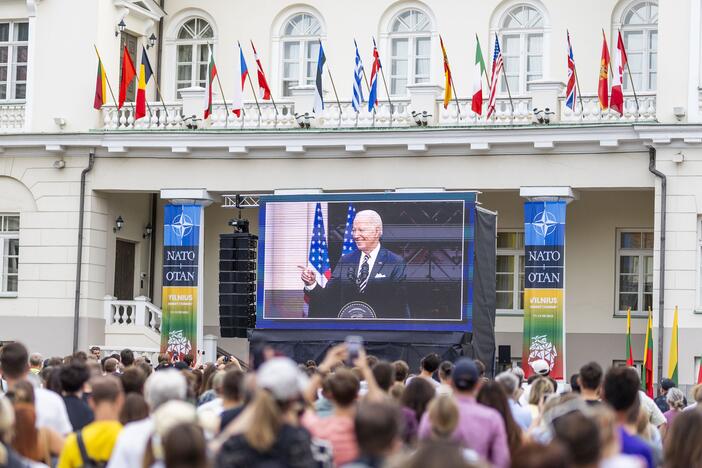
[
  {"x": 14, "y": 38},
  {"x": 634, "y": 271},
  {"x": 192, "y": 53},
  {"x": 9, "y": 253},
  {"x": 300, "y": 42},
  {"x": 410, "y": 50},
  {"x": 522, "y": 40},
  {"x": 640, "y": 34},
  {"x": 509, "y": 272}
]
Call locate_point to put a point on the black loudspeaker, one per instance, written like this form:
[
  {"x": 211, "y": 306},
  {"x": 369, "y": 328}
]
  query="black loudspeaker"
[
  {"x": 504, "y": 354},
  {"x": 237, "y": 284}
]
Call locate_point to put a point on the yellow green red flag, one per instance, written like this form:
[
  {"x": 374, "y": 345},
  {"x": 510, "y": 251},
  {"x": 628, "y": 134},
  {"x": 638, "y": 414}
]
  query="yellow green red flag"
[{"x": 673, "y": 356}]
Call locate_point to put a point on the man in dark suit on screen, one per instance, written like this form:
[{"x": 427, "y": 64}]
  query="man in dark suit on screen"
[{"x": 367, "y": 283}]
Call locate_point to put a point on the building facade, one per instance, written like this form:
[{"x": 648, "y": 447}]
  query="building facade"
[{"x": 604, "y": 163}]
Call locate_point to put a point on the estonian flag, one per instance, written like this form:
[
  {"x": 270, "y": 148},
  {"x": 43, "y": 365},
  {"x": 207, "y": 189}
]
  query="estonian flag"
[{"x": 319, "y": 98}]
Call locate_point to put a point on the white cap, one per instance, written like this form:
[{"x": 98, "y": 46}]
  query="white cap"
[
  {"x": 540, "y": 366},
  {"x": 282, "y": 378}
]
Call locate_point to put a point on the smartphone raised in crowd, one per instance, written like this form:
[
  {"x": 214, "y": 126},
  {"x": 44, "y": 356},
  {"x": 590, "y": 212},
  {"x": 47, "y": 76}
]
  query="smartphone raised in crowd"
[{"x": 354, "y": 343}]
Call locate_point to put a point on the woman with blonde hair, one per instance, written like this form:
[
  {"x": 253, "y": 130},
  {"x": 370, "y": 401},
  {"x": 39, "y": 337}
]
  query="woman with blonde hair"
[
  {"x": 541, "y": 387},
  {"x": 443, "y": 415}
]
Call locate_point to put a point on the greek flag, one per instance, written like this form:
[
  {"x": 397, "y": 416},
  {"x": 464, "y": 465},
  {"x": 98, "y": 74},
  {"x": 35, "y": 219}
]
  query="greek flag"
[
  {"x": 319, "y": 97},
  {"x": 357, "y": 88}
]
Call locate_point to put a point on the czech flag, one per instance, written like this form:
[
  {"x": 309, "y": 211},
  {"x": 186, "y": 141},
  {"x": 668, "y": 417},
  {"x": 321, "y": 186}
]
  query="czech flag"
[{"x": 240, "y": 70}]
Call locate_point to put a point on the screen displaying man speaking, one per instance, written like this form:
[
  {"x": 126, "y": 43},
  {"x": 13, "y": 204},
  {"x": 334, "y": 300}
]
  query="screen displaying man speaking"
[{"x": 331, "y": 261}]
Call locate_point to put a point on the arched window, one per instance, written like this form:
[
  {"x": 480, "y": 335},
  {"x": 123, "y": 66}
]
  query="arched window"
[
  {"x": 410, "y": 50},
  {"x": 192, "y": 53},
  {"x": 301, "y": 35},
  {"x": 640, "y": 34},
  {"x": 522, "y": 42}
]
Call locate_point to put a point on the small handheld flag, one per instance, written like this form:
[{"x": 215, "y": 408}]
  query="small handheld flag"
[
  {"x": 357, "y": 75},
  {"x": 375, "y": 71},
  {"x": 497, "y": 64},
  {"x": 477, "y": 101},
  {"x": 447, "y": 75},
  {"x": 240, "y": 72},
  {"x": 319, "y": 97},
  {"x": 128, "y": 74},
  {"x": 145, "y": 73},
  {"x": 571, "y": 87},
  {"x": 603, "y": 83},
  {"x": 264, "y": 89}
]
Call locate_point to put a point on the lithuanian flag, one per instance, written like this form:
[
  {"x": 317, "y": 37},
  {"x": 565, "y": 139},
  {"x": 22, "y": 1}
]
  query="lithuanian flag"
[
  {"x": 673, "y": 357},
  {"x": 447, "y": 75},
  {"x": 629, "y": 353},
  {"x": 100, "y": 87},
  {"x": 145, "y": 73},
  {"x": 647, "y": 371}
]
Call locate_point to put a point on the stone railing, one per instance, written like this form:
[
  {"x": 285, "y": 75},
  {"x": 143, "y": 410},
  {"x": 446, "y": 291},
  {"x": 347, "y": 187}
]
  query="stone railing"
[
  {"x": 137, "y": 312},
  {"x": 151, "y": 353},
  {"x": 384, "y": 115},
  {"x": 11, "y": 117},
  {"x": 504, "y": 113},
  {"x": 590, "y": 112}
]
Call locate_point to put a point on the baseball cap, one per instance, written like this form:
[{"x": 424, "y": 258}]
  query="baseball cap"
[
  {"x": 465, "y": 374},
  {"x": 540, "y": 366},
  {"x": 667, "y": 384},
  {"x": 282, "y": 378}
]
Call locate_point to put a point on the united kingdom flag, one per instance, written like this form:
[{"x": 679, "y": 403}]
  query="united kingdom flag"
[
  {"x": 319, "y": 249},
  {"x": 349, "y": 245},
  {"x": 571, "y": 87}
]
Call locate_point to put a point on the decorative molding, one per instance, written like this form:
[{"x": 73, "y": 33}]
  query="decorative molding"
[{"x": 32, "y": 7}]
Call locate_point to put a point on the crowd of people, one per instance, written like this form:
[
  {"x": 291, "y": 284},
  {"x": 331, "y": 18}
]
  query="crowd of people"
[{"x": 350, "y": 410}]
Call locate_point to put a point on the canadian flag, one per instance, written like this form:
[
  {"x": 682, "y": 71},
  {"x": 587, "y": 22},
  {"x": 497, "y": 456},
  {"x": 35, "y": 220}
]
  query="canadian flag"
[{"x": 616, "y": 100}]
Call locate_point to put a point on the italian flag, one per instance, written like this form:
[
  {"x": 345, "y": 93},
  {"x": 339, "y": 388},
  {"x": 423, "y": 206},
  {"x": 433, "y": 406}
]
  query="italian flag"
[
  {"x": 629, "y": 353},
  {"x": 211, "y": 75},
  {"x": 477, "y": 102},
  {"x": 647, "y": 371},
  {"x": 673, "y": 357}
]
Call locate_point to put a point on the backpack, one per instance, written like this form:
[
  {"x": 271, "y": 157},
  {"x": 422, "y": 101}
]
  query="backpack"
[{"x": 87, "y": 461}]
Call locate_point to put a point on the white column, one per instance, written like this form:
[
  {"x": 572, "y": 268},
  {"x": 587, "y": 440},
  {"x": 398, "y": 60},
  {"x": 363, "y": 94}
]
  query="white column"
[{"x": 423, "y": 98}]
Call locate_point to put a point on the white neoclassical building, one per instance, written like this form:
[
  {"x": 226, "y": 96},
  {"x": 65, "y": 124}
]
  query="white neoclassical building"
[{"x": 626, "y": 174}]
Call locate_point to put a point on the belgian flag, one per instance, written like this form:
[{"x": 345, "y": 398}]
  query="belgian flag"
[{"x": 145, "y": 73}]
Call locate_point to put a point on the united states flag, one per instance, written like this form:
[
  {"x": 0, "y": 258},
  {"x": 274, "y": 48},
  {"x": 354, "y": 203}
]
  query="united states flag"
[
  {"x": 571, "y": 88},
  {"x": 349, "y": 244},
  {"x": 497, "y": 64},
  {"x": 319, "y": 249}
]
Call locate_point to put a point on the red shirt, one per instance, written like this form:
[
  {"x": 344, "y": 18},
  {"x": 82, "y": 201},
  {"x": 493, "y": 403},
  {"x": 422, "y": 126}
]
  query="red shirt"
[{"x": 338, "y": 431}]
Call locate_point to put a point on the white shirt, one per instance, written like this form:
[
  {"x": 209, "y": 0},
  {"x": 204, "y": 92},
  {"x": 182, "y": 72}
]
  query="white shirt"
[
  {"x": 371, "y": 261},
  {"x": 131, "y": 444},
  {"x": 428, "y": 379},
  {"x": 215, "y": 406},
  {"x": 51, "y": 411}
]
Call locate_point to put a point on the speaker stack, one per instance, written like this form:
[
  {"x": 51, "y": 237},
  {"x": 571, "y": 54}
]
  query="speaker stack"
[{"x": 237, "y": 284}]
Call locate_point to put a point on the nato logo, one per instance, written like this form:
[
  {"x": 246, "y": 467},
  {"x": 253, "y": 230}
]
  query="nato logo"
[
  {"x": 544, "y": 223},
  {"x": 182, "y": 225}
]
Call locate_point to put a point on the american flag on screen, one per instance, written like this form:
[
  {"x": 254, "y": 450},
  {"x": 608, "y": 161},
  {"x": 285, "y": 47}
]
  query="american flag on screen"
[
  {"x": 319, "y": 249},
  {"x": 349, "y": 244}
]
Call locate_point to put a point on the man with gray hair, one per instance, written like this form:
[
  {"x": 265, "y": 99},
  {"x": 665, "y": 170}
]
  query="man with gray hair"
[
  {"x": 510, "y": 384},
  {"x": 366, "y": 283},
  {"x": 160, "y": 387}
]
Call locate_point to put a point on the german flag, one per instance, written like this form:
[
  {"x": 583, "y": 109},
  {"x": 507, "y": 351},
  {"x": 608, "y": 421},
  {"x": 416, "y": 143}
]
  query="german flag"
[
  {"x": 145, "y": 73},
  {"x": 100, "y": 87}
]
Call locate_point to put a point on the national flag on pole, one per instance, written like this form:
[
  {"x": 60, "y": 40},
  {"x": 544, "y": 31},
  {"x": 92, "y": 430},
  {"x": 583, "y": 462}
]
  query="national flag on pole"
[
  {"x": 349, "y": 244},
  {"x": 375, "y": 71},
  {"x": 319, "y": 97},
  {"x": 497, "y": 64},
  {"x": 603, "y": 84},
  {"x": 357, "y": 99},
  {"x": 647, "y": 371},
  {"x": 209, "y": 83},
  {"x": 477, "y": 102},
  {"x": 263, "y": 88},
  {"x": 319, "y": 250},
  {"x": 571, "y": 88},
  {"x": 240, "y": 72},
  {"x": 128, "y": 74},
  {"x": 100, "y": 86},
  {"x": 629, "y": 352},
  {"x": 145, "y": 73},
  {"x": 699, "y": 374},
  {"x": 616, "y": 99},
  {"x": 447, "y": 75},
  {"x": 673, "y": 356}
]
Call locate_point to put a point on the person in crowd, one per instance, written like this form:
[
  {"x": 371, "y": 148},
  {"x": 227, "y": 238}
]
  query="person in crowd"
[
  {"x": 401, "y": 370},
  {"x": 165, "y": 418},
  {"x": 8, "y": 456},
  {"x": 439, "y": 454},
  {"x": 654, "y": 413},
  {"x": 519, "y": 374},
  {"x": 621, "y": 391},
  {"x": 377, "y": 426},
  {"x": 214, "y": 406},
  {"x": 427, "y": 366},
  {"x": 539, "y": 390},
  {"x": 536, "y": 455},
  {"x": 184, "y": 446},
  {"x": 492, "y": 395},
  {"x": 610, "y": 441},
  {"x": 207, "y": 372},
  {"x": 396, "y": 391},
  {"x": 35, "y": 363},
  {"x": 696, "y": 396},
  {"x": 445, "y": 369},
  {"x": 581, "y": 437},
  {"x": 480, "y": 428},
  {"x": 541, "y": 368},
  {"x": 233, "y": 394},
  {"x": 675, "y": 399},
  {"x": 574, "y": 384},
  {"x": 39, "y": 444},
  {"x": 126, "y": 357},
  {"x": 50, "y": 407},
  {"x": 133, "y": 409},
  {"x": 96, "y": 352},
  {"x": 651, "y": 435},
  {"x": 589, "y": 380},
  {"x": 132, "y": 380},
  {"x": 159, "y": 389},
  {"x": 661, "y": 402},
  {"x": 443, "y": 416},
  {"x": 682, "y": 446},
  {"x": 510, "y": 385},
  {"x": 73, "y": 378},
  {"x": 415, "y": 399},
  {"x": 384, "y": 374},
  {"x": 164, "y": 361},
  {"x": 111, "y": 366},
  {"x": 268, "y": 430},
  {"x": 481, "y": 369},
  {"x": 97, "y": 439}
]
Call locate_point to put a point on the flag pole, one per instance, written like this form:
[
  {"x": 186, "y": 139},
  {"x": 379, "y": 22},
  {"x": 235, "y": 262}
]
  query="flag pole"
[
  {"x": 487, "y": 77},
  {"x": 385, "y": 83},
  {"x": 331, "y": 79},
  {"x": 504, "y": 74},
  {"x": 631, "y": 79},
  {"x": 577, "y": 80},
  {"x": 219, "y": 82},
  {"x": 109, "y": 86}
]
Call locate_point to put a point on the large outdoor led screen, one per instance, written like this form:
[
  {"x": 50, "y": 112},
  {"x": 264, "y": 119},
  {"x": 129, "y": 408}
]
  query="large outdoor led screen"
[{"x": 389, "y": 261}]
